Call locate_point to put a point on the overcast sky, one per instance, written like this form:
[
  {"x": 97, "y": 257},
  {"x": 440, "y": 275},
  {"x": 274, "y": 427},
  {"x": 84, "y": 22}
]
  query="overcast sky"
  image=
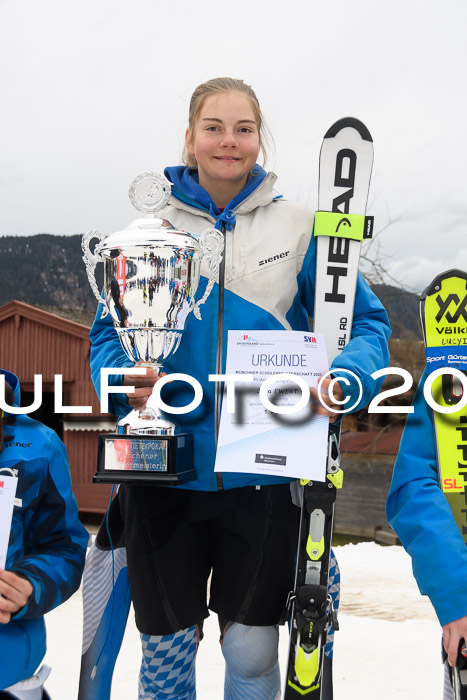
[{"x": 94, "y": 92}]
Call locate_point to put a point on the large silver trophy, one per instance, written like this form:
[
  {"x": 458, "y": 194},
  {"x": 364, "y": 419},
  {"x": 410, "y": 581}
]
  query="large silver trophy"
[{"x": 151, "y": 275}]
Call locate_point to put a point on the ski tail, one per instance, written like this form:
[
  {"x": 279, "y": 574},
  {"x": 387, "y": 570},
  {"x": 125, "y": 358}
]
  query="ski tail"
[
  {"x": 443, "y": 310},
  {"x": 341, "y": 225},
  {"x": 443, "y": 313},
  {"x": 346, "y": 162}
]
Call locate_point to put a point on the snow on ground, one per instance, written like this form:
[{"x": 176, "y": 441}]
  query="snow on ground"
[{"x": 388, "y": 645}]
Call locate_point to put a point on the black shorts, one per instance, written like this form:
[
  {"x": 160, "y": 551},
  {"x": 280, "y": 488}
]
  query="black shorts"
[{"x": 175, "y": 538}]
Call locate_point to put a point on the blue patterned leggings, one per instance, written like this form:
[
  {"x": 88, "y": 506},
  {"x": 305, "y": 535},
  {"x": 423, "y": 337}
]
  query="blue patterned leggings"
[{"x": 252, "y": 669}]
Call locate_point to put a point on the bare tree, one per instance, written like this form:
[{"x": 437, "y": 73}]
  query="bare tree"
[{"x": 373, "y": 261}]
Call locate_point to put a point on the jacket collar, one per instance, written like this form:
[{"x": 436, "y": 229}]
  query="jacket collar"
[{"x": 189, "y": 195}]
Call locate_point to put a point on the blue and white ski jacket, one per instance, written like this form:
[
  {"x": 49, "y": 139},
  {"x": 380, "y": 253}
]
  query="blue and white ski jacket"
[
  {"x": 47, "y": 541},
  {"x": 422, "y": 518},
  {"x": 269, "y": 285}
]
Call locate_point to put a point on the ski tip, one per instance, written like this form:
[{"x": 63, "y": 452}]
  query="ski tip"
[
  {"x": 345, "y": 123},
  {"x": 435, "y": 285}
]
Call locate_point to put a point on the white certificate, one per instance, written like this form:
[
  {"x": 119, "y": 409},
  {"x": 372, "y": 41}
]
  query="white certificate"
[
  {"x": 7, "y": 500},
  {"x": 253, "y": 438}
]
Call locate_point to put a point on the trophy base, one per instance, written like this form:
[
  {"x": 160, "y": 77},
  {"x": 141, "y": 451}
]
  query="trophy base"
[{"x": 155, "y": 459}]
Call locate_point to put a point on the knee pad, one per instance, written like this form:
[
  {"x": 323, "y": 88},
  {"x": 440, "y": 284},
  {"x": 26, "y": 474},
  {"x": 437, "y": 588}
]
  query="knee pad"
[
  {"x": 168, "y": 666},
  {"x": 250, "y": 651}
]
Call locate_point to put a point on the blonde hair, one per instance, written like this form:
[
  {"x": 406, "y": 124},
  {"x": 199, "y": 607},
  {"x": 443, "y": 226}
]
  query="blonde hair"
[{"x": 215, "y": 86}]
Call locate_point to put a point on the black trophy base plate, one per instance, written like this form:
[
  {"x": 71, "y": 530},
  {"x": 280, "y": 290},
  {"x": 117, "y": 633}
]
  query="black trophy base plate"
[{"x": 137, "y": 459}]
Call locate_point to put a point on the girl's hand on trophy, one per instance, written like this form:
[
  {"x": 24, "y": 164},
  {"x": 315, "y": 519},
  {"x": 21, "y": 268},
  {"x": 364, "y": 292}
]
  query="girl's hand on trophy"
[{"x": 143, "y": 387}]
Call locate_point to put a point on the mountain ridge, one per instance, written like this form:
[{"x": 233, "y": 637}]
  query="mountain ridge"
[{"x": 47, "y": 270}]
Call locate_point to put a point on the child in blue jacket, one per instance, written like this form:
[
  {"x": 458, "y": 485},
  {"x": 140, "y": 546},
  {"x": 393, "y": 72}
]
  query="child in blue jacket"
[
  {"x": 422, "y": 518},
  {"x": 46, "y": 549}
]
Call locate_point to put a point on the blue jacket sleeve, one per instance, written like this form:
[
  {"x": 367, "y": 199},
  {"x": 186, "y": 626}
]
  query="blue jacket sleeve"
[
  {"x": 420, "y": 514},
  {"x": 106, "y": 351},
  {"x": 55, "y": 541},
  {"x": 367, "y": 350}
]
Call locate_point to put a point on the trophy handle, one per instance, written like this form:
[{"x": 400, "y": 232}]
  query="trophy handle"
[
  {"x": 90, "y": 261},
  {"x": 213, "y": 254}
]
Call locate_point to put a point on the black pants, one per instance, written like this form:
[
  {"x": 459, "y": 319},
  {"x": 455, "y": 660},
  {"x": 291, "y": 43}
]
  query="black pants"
[{"x": 175, "y": 538}]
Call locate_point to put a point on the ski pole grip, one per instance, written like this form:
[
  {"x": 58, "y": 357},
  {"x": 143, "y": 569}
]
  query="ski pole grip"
[{"x": 354, "y": 226}]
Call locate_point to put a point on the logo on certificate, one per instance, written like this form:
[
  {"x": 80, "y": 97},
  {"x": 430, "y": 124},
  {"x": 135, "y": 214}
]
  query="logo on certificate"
[{"x": 270, "y": 459}]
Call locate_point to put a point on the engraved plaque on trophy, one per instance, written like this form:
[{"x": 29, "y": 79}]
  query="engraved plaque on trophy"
[{"x": 151, "y": 275}]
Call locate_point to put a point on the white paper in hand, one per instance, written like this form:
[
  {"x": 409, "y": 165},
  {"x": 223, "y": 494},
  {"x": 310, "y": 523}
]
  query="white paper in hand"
[
  {"x": 256, "y": 440},
  {"x": 8, "y": 486}
]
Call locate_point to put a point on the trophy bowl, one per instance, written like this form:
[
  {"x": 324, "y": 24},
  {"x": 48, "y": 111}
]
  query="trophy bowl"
[{"x": 151, "y": 276}]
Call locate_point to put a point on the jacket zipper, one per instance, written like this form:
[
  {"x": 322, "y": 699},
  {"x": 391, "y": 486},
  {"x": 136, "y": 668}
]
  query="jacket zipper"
[
  {"x": 219, "y": 353},
  {"x": 220, "y": 327}
]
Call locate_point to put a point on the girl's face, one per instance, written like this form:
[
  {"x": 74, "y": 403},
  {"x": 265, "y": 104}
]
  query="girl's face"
[{"x": 225, "y": 141}]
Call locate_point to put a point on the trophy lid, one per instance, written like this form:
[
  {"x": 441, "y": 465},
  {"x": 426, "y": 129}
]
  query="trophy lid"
[
  {"x": 149, "y": 192},
  {"x": 149, "y": 231}
]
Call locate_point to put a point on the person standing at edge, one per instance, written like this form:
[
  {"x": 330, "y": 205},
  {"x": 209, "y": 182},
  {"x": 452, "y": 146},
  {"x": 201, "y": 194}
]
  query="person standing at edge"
[
  {"x": 421, "y": 516},
  {"x": 240, "y": 527},
  {"x": 46, "y": 549}
]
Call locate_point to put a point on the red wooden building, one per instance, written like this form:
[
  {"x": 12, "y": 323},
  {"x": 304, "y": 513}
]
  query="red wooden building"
[{"x": 34, "y": 341}]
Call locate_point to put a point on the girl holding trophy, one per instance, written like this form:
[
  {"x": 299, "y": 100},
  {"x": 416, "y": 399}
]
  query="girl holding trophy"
[{"x": 240, "y": 529}]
